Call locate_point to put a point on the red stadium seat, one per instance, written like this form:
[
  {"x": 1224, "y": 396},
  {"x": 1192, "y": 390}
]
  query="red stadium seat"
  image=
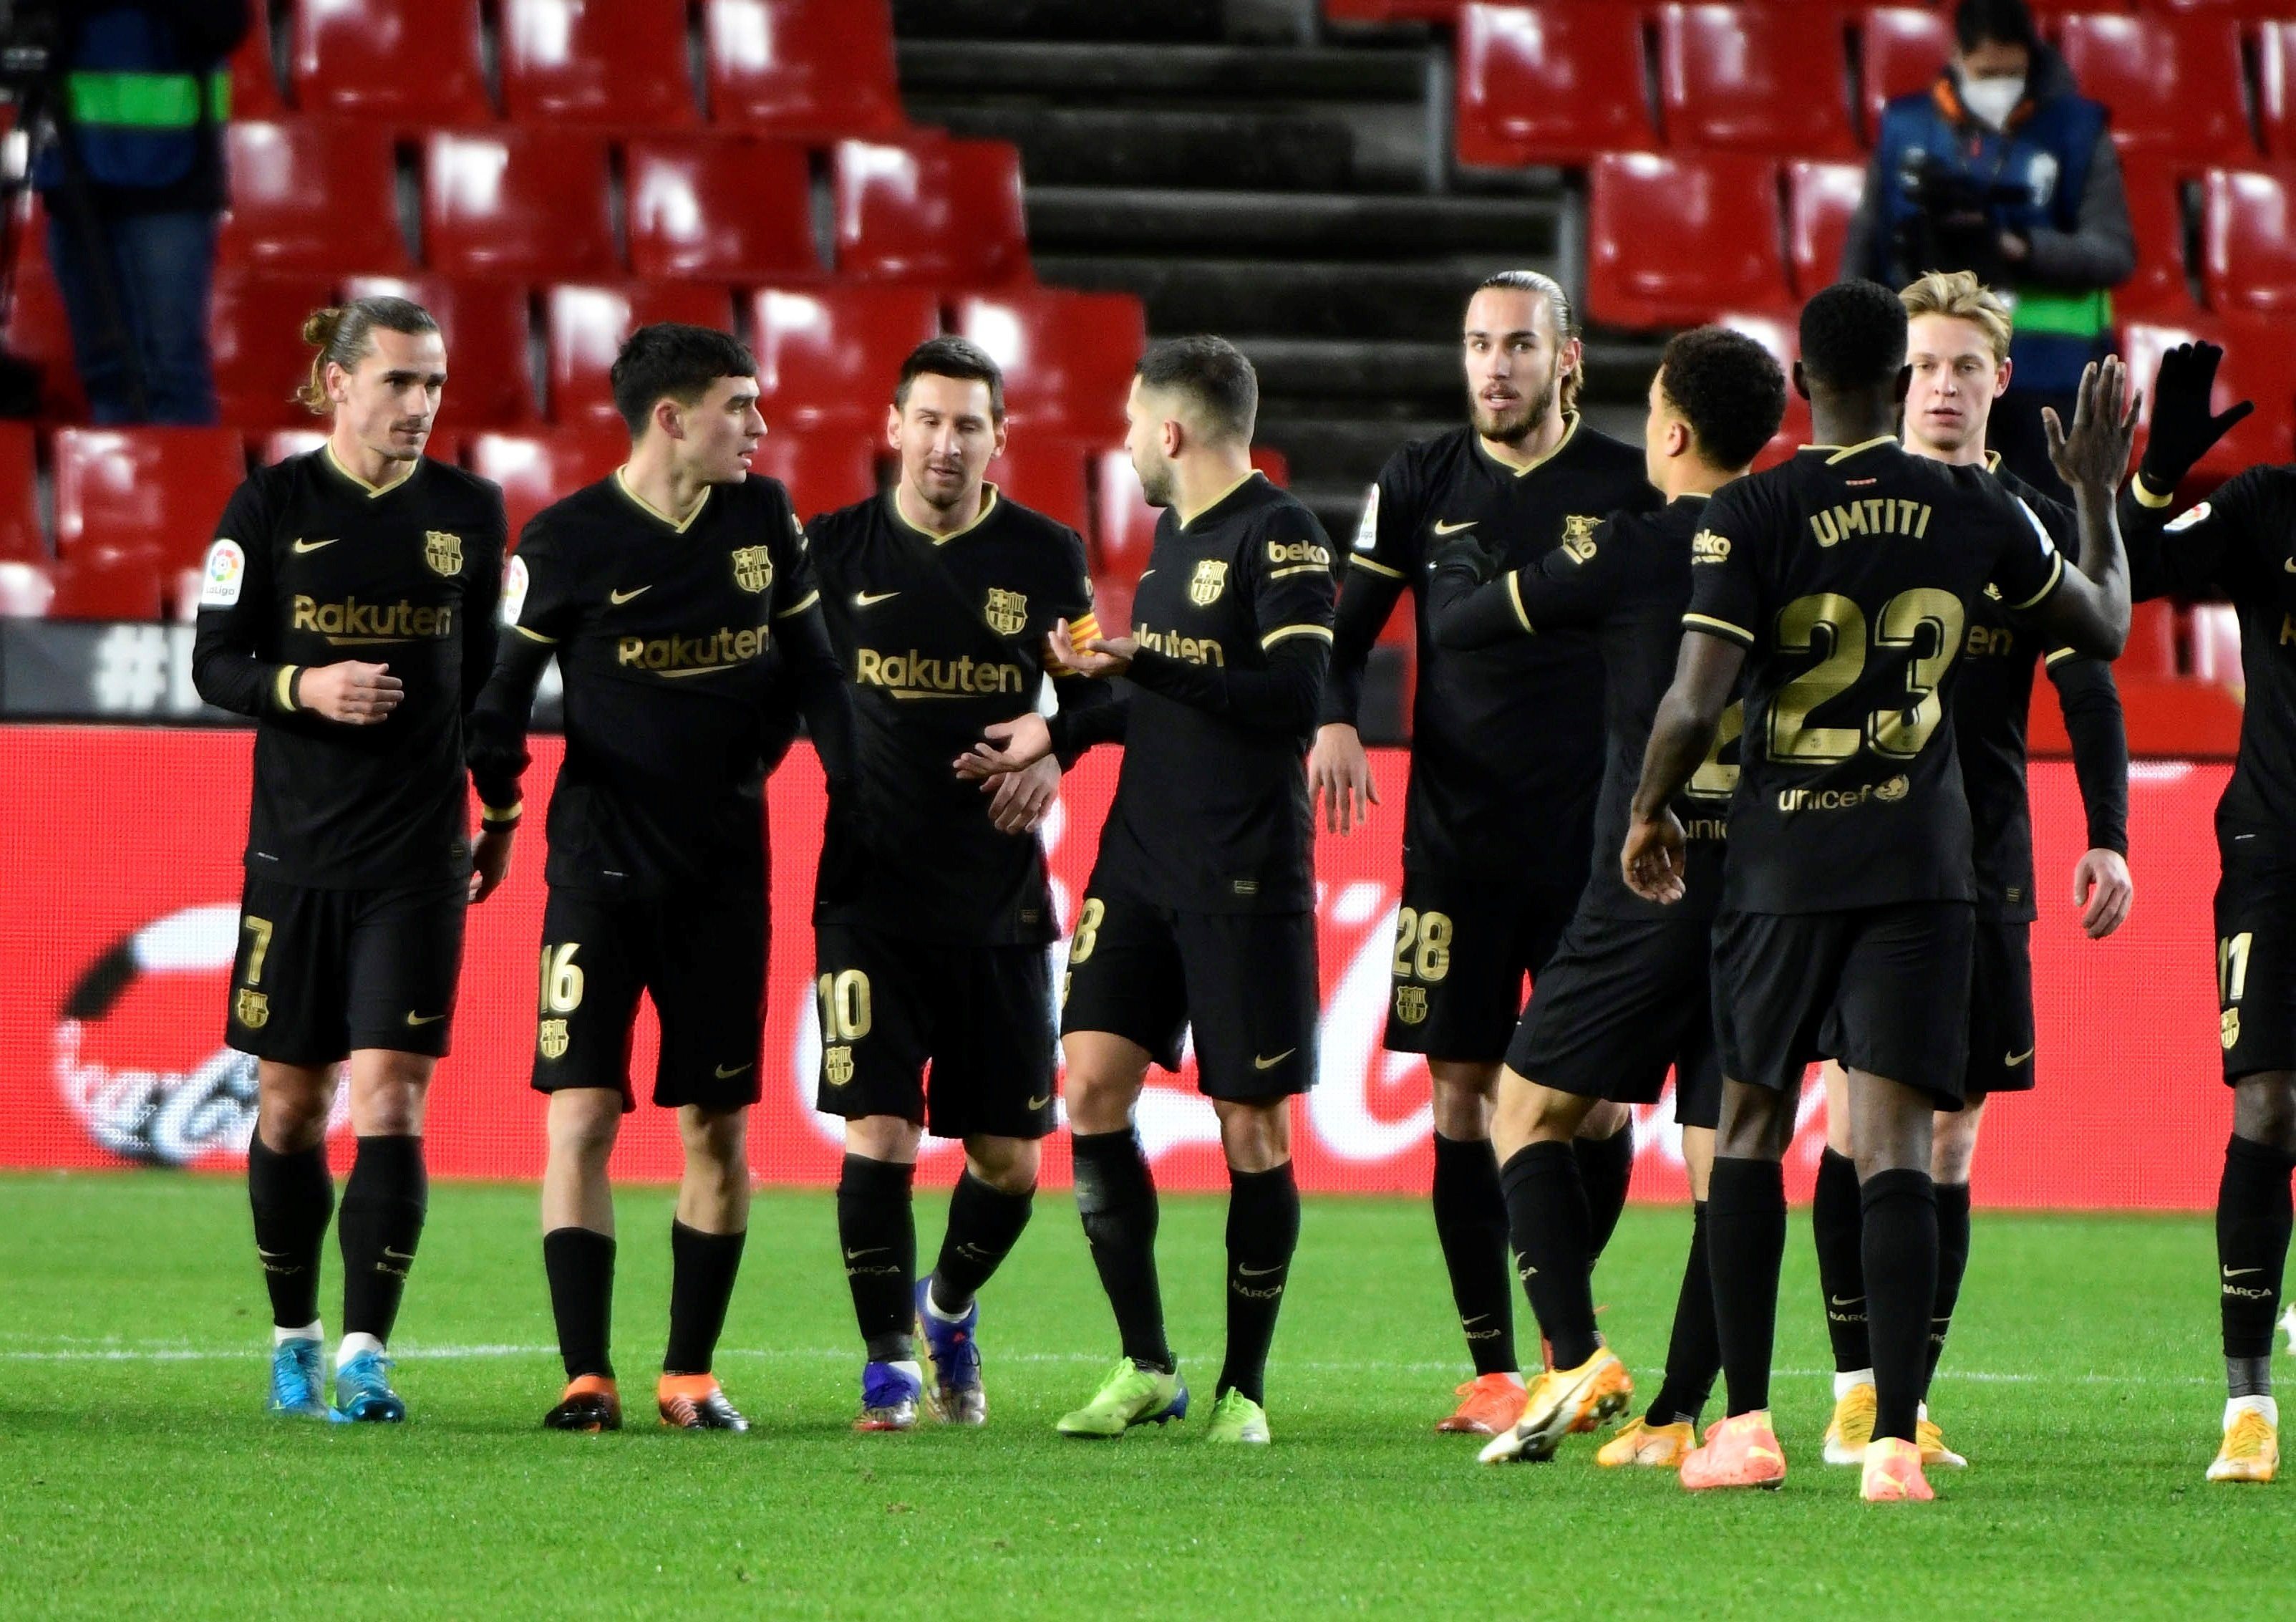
[
  {"x": 2156, "y": 216},
  {"x": 1274, "y": 464},
  {"x": 1752, "y": 78},
  {"x": 2257, "y": 366},
  {"x": 1067, "y": 357},
  {"x": 801, "y": 67},
  {"x": 2248, "y": 240},
  {"x": 280, "y": 176},
  {"x": 26, "y": 591},
  {"x": 1392, "y": 10},
  {"x": 1820, "y": 199},
  {"x": 1905, "y": 48},
  {"x": 255, "y": 78},
  {"x": 930, "y": 210},
  {"x": 2174, "y": 83},
  {"x": 1046, "y": 473},
  {"x": 255, "y": 333},
  {"x": 584, "y": 329},
  {"x": 38, "y": 332},
  {"x": 411, "y": 62},
  {"x": 2215, "y": 640},
  {"x": 713, "y": 208},
  {"x": 107, "y": 581},
  {"x": 603, "y": 63},
  {"x": 1550, "y": 84},
  {"x": 1777, "y": 335},
  {"x": 824, "y": 471},
  {"x": 1124, "y": 525},
  {"x": 2276, "y": 52},
  {"x": 160, "y": 488},
  {"x": 535, "y": 470},
  {"x": 518, "y": 202},
  {"x": 22, "y": 538},
  {"x": 489, "y": 381},
  {"x": 831, "y": 354},
  {"x": 1718, "y": 214}
]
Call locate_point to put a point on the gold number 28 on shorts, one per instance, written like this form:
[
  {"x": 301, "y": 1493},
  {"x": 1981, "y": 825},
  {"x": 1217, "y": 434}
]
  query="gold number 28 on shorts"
[{"x": 1422, "y": 944}]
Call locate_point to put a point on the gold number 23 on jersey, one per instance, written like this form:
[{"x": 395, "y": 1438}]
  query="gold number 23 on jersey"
[{"x": 1925, "y": 621}]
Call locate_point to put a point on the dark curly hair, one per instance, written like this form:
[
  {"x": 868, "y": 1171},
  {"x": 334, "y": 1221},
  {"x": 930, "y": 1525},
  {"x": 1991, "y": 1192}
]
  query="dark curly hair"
[
  {"x": 1728, "y": 388},
  {"x": 1853, "y": 336},
  {"x": 675, "y": 360}
]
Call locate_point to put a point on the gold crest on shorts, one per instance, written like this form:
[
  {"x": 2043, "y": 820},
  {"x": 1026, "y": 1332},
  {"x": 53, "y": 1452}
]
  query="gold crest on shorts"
[
  {"x": 753, "y": 568},
  {"x": 1007, "y": 612},
  {"x": 1411, "y": 1004},
  {"x": 553, "y": 1038},
  {"x": 2228, "y": 1029},
  {"x": 837, "y": 1065},
  {"x": 253, "y": 1010},
  {"x": 443, "y": 552},
  {"x": 1208, "y": 581}
]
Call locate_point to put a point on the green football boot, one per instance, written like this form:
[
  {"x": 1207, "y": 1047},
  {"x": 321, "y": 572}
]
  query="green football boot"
[
  {"x": 1237, "y": 1418},
  {"x": 1130, "y": 1395}
]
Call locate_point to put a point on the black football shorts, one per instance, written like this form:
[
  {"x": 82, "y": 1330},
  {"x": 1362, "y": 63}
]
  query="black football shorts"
[
  {"x": 2256, "y": 958},
  {"x": 320, "y": 972},
  {"x": 2000, "y": 1010},
  {"x": 980, "y": 1016},
  {"x": 1462, "y": 947},
  {"x": 1622, "y": 1002},
  {"x": 701, "y": 956},
  {"x": 1244, "y": 982},
  {"x": 1884, "y": 990}
]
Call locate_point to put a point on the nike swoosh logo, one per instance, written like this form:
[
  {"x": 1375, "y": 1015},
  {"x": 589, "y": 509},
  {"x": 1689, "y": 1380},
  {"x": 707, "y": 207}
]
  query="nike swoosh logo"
[
  {"x": 2241, "y": 1272},
  {"x": 1260, "y": 1272},
  {"x": 396, "y": 1256},
  {"x": 1477, "y": 1318},
  {"x": 272, "y": 1256},
  {"x": 1453, "y": 528},
  {"x": 1843, "y": 1300},
  {"x": 312, "y": 545},
  {"x": 1258, "y": 1063},
  {"x": 414, "y": 1018},
  {"x": 1041, "y": 1103},
  {"x": 2017, "y": 1059},
  {"x": 870, "y": 599},
  {"x": 855, "y": 1256},
  {"x": 620, "y": 598},
  {"x": 725, "y": 1074}
]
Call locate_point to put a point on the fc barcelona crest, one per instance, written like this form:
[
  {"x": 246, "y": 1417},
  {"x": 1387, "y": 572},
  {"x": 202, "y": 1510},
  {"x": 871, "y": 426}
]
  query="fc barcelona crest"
[
  {"x": 1579, "y": 537},
  {"x": 753, "y": 568},
  {"x": 253, "y": 1010},
  {"x": 553, "y": 1038},
  {"x": 837, "y": 1065},
  {"x": 1210, "y": 580},
  {"x": 443, "y": 552},
  {"x": 1411, "y": 1004},
  {"x": 1007, "y": 612}
]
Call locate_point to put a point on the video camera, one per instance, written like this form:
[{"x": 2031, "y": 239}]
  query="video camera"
[
  {"x": 1956, "y": 221},
  {"x": 29, "y": 33}
]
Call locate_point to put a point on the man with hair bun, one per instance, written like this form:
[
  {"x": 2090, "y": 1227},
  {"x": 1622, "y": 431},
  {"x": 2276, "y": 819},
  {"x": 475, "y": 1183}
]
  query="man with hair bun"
[{"x": 347, "y": 605}]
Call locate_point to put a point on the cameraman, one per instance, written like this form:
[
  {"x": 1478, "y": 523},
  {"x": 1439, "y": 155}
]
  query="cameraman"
[
  {"x": 132, "y": 172},
  {"x": 2003, "y": 169}
]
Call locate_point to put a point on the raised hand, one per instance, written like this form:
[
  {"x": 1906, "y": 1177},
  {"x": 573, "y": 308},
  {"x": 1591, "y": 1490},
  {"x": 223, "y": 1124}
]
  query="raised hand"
[
  {"x": 2183, "y": 428},
  {"x": 2094, "y": 451}
]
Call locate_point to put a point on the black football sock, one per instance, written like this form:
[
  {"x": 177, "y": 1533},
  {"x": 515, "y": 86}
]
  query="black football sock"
[
  {"x": 877, "y": 1227},
  {"x": 1745, "y": 1247},
  {"x": 1117, "y": 1199},
  {"x": 1263, "y": 1231},
  {"x": 384, "y": 1202},
  {"x": 1546, "y": 1215},
  {"x": 581, "y": 1266},
  {"x": 1901, "y": 1270},
  {"x": 1837, "y": 1222},
  {"x": 984, "y": 1223},
  {"x": 1606, "y": 1165},
  {"x": 1693, "y": 1355},
  {"x": 1470, "y": 1225},
  {"x": 292, "y": 1196},
  {"x": 703, "y": 1267},
  {"x": 1953, "y": 1261},
  {"x": 2253, "y": 1226}
]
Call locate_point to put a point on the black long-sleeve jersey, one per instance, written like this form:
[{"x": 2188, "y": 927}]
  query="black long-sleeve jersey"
[
  {"x": 1233, "y": 620},
  {"x": 312, "y": 566},
  {"x": 1849, "y": 574},
  {"x": 940, "y": 636},
  {"x": 1629, "y": 582},
  {"x": 679, "y": 642},
  {"x": 1506, "y": 741},
  {"x": 1990, "y": 704},
  {"x": 2241, "y": 544}
]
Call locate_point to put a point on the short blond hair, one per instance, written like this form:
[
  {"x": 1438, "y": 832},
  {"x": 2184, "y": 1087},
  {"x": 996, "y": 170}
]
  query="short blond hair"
[{"x": 1961, "y": 296}]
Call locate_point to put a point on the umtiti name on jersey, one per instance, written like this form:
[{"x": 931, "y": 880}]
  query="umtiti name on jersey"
[
  {"x": 352, "y": 619},
  {"x": 1879, "y": 515}
]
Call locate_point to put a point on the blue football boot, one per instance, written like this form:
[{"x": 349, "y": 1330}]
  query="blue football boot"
[
  {"x": 363, "y": 1391},
  {"x": 955, "y": 1396},
  {"x": 296, "y": 1378}
]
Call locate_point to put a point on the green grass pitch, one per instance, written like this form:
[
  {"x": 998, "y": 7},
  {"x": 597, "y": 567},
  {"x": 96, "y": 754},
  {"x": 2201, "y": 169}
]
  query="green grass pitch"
[{"x": 138, "y": 1475}]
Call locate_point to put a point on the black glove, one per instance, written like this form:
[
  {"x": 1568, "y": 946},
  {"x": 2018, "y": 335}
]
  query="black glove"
[
  {"x": 2183, "y": 429},
  {"x": 1464, "y": 550}
]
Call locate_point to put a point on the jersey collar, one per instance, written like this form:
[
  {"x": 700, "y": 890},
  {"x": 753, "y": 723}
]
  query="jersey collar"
[
  {"x": 681, "y": 525},
  {"x": 1218, "y": 501},
  {"x": 371, "y": 491},
  {"x": 1837, "y": 454},
  {"x": 988, "y": 499},
  {"x": 1570, "y": 432}
]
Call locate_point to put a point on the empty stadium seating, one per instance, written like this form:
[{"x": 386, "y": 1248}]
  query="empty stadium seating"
[
  {"x": 604, "y": 63},
  {"x": 1046, "y": 473},
  {"x": 1820, "y": 199},
  {"x": 824, "y": 471},
  {"x": 2159, "y": 289},
  {"x": 156, "y": 487},
  {"x": 2215, "y": 640},
  {"x": 1067, "y": 357},
  {"x": 254, "y": 331},
  {"x": 2173, "y": 82},
  {"x": 583, "y": 327},
  {"x": 518, "y": 202},
  {"x": 537, "y": 469},
  {"x": 800, "y": 67},
  {"x": 27, "y": 590},
  {"x": 2248, "y": 240},
  {"x": 1550, "y": 84},
  {"x": 1777, "y": 333},
  {"x": 829, "y": 354},
  {"x": 106, "y": 581},
  {"x": 1763, "y": 78},
  {"x": 719, "y": 209},
  {"x": 1718, "y": 214},
  {"x": 36, "y": 331},
  {"x": 255, "y": 78},
  {"x": 21, "y": 540},
  {"x": 1124, "y": 529},
  {"x": 930, "y": 210},
  {"x": 411, "y": 63},
  {"x": 2275, "y": 64},
  {"x": 1901, "y": 51},
  {"x": 312, "y": 194},
  {"x": 490, "y": 384}
]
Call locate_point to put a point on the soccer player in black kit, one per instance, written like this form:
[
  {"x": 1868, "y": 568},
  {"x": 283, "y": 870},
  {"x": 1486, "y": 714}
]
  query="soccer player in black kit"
[
  {"x": 1200, "y": 914},
  {"x": 1959, "y": 351},
  {"x": 677, "y": 598},
  {"x": 1507, "y": 751},
  {"x": 348, "y": 605},
  {"x": 2241, "y": 544},
  {"x": 1625, "y": 998},
  {"x": 933, "y": 935},
  {"x": 1840, "y": 584}
]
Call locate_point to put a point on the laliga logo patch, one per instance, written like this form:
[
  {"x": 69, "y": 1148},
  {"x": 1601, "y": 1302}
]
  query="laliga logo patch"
[
  {"x": 225, "y": 575},
  {"x": 513, "y": 591},
  {"x": 2185, "y": 520}
]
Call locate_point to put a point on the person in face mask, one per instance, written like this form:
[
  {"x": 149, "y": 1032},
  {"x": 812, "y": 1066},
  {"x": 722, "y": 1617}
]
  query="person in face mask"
[{"x": 2002, "y": 168}]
